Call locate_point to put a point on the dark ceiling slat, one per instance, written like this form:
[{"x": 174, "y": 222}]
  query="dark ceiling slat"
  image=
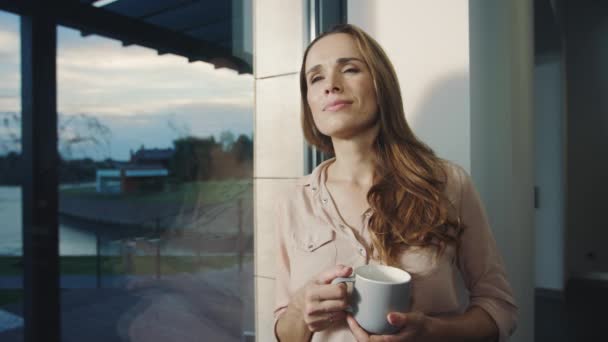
[
  {"x": 167, "y": 8},
  {"x": 205, "y": 24},
  {"x": 140, "y": 8},
  {"x": 17, "y": 7},
  {"x": 192, "y": 14},
  {"x": 131, "y": 31}
]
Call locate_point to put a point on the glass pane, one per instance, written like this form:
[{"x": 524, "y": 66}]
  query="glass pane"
[
  {"x": 156, "y": 236},
  {"x": 11, "y": 294}
]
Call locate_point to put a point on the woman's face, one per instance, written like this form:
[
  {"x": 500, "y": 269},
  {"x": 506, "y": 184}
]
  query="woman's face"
[{"x": 341, "y": 91}]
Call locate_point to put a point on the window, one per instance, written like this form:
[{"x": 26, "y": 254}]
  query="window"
[
  {"x": 155, "y": 194},
  {"x": 155, "y": 147}
]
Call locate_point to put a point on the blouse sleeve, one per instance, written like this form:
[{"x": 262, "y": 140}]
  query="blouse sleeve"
[
  {"x": 481, "y": 265},
  {"x": 282, "y": 270}
]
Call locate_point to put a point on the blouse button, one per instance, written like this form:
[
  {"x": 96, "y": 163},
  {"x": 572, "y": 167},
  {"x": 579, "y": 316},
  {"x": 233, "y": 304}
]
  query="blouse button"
[
  {"x": 324, "y": 201},
  {"x": 342, "y": 226},
  {"x": 314, "y": 188},
  {"x": 362, "y": 251}
]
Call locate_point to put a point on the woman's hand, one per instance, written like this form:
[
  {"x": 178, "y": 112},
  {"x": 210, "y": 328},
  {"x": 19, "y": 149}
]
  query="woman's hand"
[
  {"x": 321, "y": 303},
  {"x": 414, "y": 326}
]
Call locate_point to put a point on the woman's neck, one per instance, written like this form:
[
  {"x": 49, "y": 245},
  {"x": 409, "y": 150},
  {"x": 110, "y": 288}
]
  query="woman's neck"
[{"x": 355, "y": 161}]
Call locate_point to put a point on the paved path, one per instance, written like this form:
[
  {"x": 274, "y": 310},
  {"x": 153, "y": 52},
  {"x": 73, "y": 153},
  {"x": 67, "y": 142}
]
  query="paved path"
[
  {"x": 79, "y": 281},
  {"x": 209, "y": 306}
]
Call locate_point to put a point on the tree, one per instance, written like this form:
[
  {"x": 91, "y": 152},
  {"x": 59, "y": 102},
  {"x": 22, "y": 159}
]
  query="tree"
[
  {"x": 192, "y": 159},
  {"x": 81, "y": 134},
  {"x": 243, "y": 148},
  {"x": 10, "y": 136},
  {"x": 226, "y": 140},
  {"x": 10, "y": 169}
]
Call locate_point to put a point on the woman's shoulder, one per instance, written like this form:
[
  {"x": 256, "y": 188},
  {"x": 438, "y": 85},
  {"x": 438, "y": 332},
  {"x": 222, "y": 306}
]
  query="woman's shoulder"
[
  {"x": 305, "y": 187},
  {"x": 456, "y": 179},
  {"x": 288, "y": 192}
]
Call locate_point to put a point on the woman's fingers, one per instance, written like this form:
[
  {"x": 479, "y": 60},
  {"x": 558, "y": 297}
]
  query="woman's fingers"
[
  {"x": 326, "y": 292},
  {"x": 360, "y": 334},
  {"x": 326, "y": 306},
  {"x": 324, "y": 303},
  {"x": 321, "y": 310},
  {"x": 335, "y": 272},
  {"x": 324, "y": 321}
]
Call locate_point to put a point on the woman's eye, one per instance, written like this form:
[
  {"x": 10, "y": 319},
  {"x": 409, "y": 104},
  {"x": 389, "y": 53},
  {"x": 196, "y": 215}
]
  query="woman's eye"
[
  {"x": 352, "y": 70},
  {"x": 315, "y": 79}
]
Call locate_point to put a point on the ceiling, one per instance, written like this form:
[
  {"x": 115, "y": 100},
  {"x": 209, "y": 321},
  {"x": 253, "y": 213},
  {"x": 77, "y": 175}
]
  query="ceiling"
[{"x": 216, "y": 32}]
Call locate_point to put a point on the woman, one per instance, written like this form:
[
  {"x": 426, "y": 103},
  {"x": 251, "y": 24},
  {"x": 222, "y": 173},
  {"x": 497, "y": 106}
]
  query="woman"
[{"x": 385, "y": 198}]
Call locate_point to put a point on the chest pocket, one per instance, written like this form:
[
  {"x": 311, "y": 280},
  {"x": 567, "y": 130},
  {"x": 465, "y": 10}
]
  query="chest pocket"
[
  {"x": 314, "y": 251},
  {"x": 314, "y": 239}
]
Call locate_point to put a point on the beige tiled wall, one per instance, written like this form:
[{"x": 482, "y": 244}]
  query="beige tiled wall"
[
  {"x": 279, "y": 145},
  {"x": 278, "y": 33},
  {"x": 278, "y": 140},
  {"x": 264, "y": 290}
]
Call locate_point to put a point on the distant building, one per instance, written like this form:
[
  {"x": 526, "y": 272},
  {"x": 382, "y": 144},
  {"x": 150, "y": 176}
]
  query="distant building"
[
  {"x": 146, "y": 171},
  {"x": 155, "y": 156}
]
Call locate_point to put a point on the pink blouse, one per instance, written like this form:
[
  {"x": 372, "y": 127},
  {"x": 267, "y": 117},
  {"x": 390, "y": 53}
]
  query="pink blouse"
[{"x": 312, "y": 237}]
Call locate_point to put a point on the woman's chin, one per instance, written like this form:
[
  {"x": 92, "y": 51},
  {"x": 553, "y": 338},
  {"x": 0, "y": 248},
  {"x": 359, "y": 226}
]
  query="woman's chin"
[{"x": 346, "y": 132}]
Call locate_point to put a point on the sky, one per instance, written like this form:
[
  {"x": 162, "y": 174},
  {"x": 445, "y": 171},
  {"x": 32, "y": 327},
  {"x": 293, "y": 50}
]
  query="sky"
[{"x": 143, "y": 98}]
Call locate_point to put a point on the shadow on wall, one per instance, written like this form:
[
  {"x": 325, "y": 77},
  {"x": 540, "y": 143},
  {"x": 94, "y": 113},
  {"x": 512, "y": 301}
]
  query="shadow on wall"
[{"x": 442, "y": 117}]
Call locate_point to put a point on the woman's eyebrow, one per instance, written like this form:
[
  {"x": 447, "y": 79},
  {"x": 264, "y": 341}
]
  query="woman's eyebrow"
[{"x": 341, "y": 60}]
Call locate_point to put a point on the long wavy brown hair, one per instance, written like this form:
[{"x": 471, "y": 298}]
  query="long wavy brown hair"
[{"x": 408, "y": 193}]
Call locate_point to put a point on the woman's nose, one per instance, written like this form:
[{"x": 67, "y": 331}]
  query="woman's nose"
[{"x": 333, "y": 85}]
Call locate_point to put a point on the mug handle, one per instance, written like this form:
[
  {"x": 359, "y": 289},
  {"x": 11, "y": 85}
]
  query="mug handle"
[
  {"x": 343, "y": 280},
  {"x": 340, "y": 280}
]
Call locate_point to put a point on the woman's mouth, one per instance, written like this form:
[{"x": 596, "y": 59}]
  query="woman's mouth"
[{"x": 337, "y": 105}]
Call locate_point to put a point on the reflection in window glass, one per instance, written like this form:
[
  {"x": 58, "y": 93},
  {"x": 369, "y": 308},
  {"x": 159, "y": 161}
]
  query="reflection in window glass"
[
  {"x": 155, "y": 194},
  {"x": 11, "y": 294}
]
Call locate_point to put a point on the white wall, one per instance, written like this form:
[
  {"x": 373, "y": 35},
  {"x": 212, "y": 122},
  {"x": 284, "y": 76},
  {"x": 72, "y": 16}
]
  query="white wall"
[
  {"x": 549, "y": 174},
  {"x": 428, "y": 43}
]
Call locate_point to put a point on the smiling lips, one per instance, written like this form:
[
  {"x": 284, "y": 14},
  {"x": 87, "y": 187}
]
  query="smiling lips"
[{"x": 335, "y": 106}]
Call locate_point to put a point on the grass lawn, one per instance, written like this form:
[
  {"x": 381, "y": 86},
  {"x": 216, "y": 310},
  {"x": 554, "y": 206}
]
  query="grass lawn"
[
  {"x": 208, "y": 192},
  {"x": 140, "y": 265}
]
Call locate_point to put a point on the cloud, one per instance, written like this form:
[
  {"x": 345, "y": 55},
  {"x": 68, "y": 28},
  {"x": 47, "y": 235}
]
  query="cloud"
[
  {"x": 99, "y": 75},
  {"x": 10, "y": 104},
  {"x": 134, "y": 91},
  {"x": 157, "y": 106},
  {"x": 9, "y": 41}
]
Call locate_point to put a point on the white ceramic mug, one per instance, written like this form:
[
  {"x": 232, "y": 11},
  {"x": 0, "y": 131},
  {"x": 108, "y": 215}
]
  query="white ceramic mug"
[{"x": 378, "y": 290}]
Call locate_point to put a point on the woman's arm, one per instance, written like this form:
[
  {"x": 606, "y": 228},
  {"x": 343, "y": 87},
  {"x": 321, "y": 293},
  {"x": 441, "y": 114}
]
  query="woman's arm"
[
  {"x": 291, "y": 326},
  {"x": 481, "y": 264},
  {"x": 473, "y": 325}
]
